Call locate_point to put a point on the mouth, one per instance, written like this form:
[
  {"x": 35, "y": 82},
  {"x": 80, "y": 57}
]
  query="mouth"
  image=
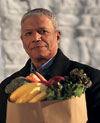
[{"x": 37, "y": 47}]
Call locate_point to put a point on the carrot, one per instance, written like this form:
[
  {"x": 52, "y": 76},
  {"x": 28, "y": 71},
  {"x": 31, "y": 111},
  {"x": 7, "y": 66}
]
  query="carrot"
[
  {"x": 40, "y": 76},
  {"x": 33, "y": 78},
  {"x": 43, "y": 80}
]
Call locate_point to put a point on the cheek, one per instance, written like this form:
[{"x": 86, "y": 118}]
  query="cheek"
[
  {"x": 54, "y": 42},
  {"x": 25, "y": 44}
]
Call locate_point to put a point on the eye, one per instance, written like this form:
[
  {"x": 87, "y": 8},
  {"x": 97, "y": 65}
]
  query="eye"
[
  {"x": 42, "y": 31},
  {"x": 28, "y": 33}
]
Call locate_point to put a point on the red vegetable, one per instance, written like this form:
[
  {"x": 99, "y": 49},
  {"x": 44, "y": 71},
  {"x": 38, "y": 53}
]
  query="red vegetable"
[
  {"x": 33, "y": 78},
  {"x": 55, "y": 79},
  {"x": 43, "y": 80}
]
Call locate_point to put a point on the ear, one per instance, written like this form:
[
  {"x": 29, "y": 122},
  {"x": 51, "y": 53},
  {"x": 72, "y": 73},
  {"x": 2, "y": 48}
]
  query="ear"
[{"x": 58, "y": 35}]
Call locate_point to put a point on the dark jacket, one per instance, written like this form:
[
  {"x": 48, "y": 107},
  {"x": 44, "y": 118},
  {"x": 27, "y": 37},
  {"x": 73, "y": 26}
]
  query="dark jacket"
[{"x": 61, "y": 66}]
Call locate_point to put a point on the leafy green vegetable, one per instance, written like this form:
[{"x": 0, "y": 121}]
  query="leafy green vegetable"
[
  {"x": 15, "y": 83},
  {"x": 74, "y": 85},
  {"x": 54, "y": 91}
]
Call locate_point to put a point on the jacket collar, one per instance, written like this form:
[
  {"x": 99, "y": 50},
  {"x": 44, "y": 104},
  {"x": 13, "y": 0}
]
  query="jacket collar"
[
  {"x": 59, "y": 66},
  {"x": 25, "y": 71}
]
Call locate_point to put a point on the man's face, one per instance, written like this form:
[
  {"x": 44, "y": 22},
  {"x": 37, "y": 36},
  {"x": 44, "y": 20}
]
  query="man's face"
[{"x": 39, "y": 38}]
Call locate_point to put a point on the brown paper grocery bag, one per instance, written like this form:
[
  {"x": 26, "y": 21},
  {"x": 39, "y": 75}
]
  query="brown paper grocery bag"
[
  {"x": 24, "y": 113},
  {"x": 65, "y": 111},
  {"x": 58, "y": 111}
]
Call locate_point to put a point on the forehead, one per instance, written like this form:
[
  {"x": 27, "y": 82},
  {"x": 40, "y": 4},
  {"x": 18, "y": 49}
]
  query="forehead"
[{"x": 37, "y": 21}]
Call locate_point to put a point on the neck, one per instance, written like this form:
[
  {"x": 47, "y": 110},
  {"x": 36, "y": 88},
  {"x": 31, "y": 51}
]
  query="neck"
[{"x": 38, "y": 63}]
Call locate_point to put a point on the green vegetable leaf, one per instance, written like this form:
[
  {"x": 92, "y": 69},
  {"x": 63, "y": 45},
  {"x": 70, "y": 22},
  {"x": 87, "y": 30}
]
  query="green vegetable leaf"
[{"x": 15, "y": 83}]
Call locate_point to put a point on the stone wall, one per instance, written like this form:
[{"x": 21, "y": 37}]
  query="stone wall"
[{"x": 79, "y": 21}]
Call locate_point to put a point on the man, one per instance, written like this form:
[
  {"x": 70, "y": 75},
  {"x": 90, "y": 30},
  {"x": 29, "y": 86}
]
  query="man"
[{"x": 40, "y": 36}]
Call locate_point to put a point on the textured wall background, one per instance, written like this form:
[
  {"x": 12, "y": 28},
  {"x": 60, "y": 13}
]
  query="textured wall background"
[{"x": 79, "y": 21}]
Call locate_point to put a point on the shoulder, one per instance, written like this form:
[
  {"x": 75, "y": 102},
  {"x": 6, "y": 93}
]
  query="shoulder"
[
  {"x": 63, "y": 62},
  {"x": 91, "y": 71},
  {"x": 22, "y": 72},
  {"x": 75, "y": 64}
]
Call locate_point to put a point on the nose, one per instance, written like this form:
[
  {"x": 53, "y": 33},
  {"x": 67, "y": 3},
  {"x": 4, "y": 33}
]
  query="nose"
[{"x": 36, "y": 36}]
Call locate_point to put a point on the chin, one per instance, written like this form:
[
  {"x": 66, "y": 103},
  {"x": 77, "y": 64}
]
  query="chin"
[{"x": 42, "y": 56}]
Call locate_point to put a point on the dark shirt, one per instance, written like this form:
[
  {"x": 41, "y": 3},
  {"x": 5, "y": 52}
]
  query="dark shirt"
[{"x": 43, "y": 69}]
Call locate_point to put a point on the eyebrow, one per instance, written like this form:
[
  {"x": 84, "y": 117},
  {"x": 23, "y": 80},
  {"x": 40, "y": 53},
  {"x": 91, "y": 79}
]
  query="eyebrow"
[
  {"x": 43, "y": 28},
  {"x": 32, "y": 29},
  {"x": 27, "y": 29}
]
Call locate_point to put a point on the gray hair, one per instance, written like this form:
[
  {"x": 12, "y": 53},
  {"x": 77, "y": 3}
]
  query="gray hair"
[{"x": 41, "y": 11}]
